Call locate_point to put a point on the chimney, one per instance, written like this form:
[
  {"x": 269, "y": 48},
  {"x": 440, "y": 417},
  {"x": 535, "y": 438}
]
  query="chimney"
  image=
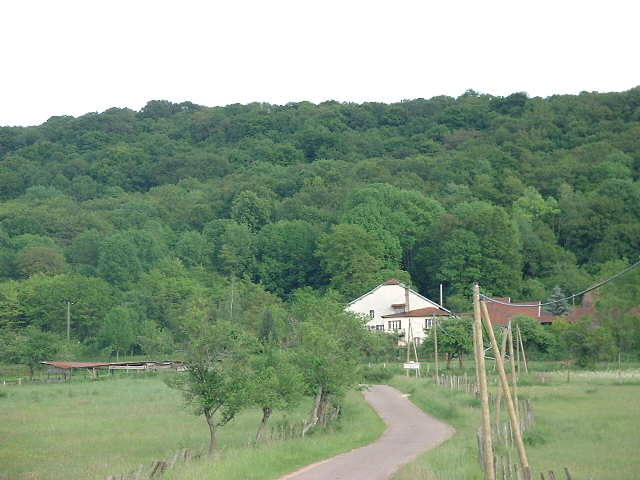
[
  {"x": 441, "y": 304},
  {"x": 406, "y": 299},
  {"x": 539, "y": 308}
]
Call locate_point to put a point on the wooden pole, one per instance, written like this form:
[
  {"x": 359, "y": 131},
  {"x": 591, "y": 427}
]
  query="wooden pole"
[
  {"x": 514, "y": 376},
  {"x": 513, "y": 419},
  {"x": 503, "y": 351},
  {"x": 415, "y": 350},
  {"x": 524, "y": 356},
  {"x": 435, "y": 344},
  {"x": 475, "y": 349},
  {"x": 68, "y": 321},
  {"x": 482, "y": 383},
  {"x": 408, "y": 339},
  {"x": 517, "y": 352}
]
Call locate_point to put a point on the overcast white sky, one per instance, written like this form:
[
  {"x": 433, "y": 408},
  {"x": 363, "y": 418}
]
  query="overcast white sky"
[{"x": 68, "y": 57}]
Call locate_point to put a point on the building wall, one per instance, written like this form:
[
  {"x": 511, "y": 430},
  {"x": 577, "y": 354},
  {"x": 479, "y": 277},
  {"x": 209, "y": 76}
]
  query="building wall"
[
  {"x": 418, "y": 331},
  {"x": 380, "y": 301}
]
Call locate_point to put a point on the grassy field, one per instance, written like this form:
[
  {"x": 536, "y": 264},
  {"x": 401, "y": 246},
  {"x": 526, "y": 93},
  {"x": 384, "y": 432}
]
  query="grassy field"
[
  {"x": 589, "y": 425},
  {"x": 87, "y": 430}
]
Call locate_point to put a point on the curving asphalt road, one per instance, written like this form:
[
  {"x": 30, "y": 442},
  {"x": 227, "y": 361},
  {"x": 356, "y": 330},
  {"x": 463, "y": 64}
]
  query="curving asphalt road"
[{"x": 409, "y": 432}]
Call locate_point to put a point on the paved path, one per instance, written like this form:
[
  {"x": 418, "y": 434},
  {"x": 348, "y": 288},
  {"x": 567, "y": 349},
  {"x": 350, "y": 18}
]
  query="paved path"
[{"x": 409, "y": 432}]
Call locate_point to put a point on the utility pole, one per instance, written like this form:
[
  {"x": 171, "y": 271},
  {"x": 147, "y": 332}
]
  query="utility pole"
[
  {"x": 69, "y": 303},
  {"x": 233, "y": 280},
  {"x": 435, "y": 343}
]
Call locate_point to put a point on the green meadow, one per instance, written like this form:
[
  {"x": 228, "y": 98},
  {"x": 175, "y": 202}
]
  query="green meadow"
[
  {"x": 92, "y": 429},
  {"x": 589, "y": 425}
]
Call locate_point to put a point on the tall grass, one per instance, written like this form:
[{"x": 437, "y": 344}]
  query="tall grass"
[
  {"x": 589, "y": 426},
  {"x": 89, "y": 430}
]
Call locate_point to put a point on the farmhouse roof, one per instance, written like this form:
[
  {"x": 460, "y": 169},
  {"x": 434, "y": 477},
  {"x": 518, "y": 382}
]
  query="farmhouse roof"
[
  {"x": 396, "y": 282},
  {"x": 419, "y": 312},
  {"x": 67, "y": 365},
  {"x": 500, "y": 314}
]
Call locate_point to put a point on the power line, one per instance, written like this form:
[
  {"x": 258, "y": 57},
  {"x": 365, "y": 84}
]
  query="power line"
[{"x": 587, "y": 290}]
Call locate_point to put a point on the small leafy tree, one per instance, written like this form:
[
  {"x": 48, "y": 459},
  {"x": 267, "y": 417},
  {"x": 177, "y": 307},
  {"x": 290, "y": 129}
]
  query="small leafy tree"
[
  {"x": 534, "y": 335},
  {"x": 455, "y": 337},
  {"x": 588, "y": 342},
  {"x": 28, "y": 346},
  {"x": 327, "y": 342},
  {"x": 217, "y": 377},
  {"x": 276, "y": 383}
]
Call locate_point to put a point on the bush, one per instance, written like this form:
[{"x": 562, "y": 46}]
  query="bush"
[{"x": 378, "y": 373}]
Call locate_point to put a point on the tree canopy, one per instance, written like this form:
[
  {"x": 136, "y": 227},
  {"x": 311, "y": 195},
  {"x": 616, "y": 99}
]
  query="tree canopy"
[{"x": 153, "y": 210}]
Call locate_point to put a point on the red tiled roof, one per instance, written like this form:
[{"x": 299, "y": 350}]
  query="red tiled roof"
[
  {"x": 419, "y": 312},
  {"x": 501, "y": 314}
]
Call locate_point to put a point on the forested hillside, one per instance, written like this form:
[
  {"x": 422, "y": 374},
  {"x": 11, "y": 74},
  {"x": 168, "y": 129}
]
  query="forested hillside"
[{"x": 140, "y": 218}]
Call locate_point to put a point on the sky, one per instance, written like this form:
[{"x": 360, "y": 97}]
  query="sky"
[{"x": 69, "y": 57}]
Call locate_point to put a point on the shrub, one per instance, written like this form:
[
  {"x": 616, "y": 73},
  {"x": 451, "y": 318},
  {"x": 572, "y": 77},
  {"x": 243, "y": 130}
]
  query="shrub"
[{"x": 378, "y": 373}]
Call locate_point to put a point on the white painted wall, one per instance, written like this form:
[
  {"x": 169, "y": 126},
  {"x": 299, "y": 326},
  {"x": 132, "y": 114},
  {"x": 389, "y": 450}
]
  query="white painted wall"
[{"x": 380, "y": 300}]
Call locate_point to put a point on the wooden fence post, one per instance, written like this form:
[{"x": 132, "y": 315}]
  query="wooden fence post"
[{"x": 514, "y": 375}]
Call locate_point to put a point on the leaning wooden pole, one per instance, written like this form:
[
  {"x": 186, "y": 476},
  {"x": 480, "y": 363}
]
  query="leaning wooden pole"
[
  {"x": 524, "y": 356},
  {"x": 514, "y": 376},
  {"x": 513, "y": 419},
  {"x": 487, "y": 446},
  {"x": 503, "y": 351}
]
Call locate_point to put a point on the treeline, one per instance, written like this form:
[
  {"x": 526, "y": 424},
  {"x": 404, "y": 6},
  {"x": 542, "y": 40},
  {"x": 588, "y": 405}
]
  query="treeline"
[{"x": 136, "y": 216}]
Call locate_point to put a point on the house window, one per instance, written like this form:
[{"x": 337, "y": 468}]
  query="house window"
[
  {"x": 372, "y": 313},
  {"x": 428, "y": 323},
  {"x": 380, "y": 327},
  {"x": 395, "y": 324}
]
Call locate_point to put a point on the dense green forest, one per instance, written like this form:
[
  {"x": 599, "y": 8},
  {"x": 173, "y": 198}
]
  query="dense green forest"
[{"x": 143, "y": 219}]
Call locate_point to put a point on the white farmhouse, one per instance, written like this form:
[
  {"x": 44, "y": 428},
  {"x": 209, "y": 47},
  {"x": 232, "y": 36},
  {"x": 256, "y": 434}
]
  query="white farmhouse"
[{"x": 393, "y": 307}]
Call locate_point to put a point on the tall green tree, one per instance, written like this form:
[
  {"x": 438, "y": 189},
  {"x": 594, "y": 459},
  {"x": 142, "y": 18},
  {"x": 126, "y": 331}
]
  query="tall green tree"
[
  {"x": 118, "y": 331},
  {"x": 28, "y": 346},
  {"x": 353, "y": 260},
  {"x": 286, "y": 259}
]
